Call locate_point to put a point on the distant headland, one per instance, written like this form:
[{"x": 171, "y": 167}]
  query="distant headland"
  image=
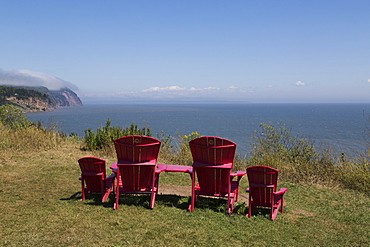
[{"x": 37, "y": 99}]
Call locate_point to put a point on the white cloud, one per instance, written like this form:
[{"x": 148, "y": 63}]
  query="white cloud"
[
  {"x": 210, "y": 89},
  {"x": 176, "y": 92},
  {"x": 175, "y": 89},
  {"x": 234, "y": 89},
  {"x": 162, "y": 89},
  {"x": 33, "y": 79},
  {"x": 368, "y": 80},
  {"x": 299, "y": 83}
]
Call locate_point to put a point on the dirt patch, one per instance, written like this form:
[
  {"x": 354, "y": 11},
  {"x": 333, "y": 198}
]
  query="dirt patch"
[
  {"x": 303, "y": 213},
  {"x": 243, "y": 197},
  {"x": 169, "y": 189}
]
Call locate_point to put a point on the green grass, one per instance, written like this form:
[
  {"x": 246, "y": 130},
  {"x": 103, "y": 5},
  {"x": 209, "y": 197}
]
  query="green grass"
[{"x": 40, "y": 205}]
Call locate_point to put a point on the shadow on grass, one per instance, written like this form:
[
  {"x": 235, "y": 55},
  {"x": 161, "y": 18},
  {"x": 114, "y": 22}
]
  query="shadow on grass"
[
  {"x": 72, "y": 197},
  {"x": 91, "y": 199},
  {"x": 139, "y": 200},
  {"x": 215, "y": 204},
  {"x": 180, "y": 202},
  {"x": 257, "y": 212}
]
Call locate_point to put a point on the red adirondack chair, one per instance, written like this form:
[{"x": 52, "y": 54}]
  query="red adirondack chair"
[
  {"x": 213, "y": 159},
  {"x": 93, "y": 177},
  {"x": 262, "y": 190},
  {"x": 137, "y": 172}
]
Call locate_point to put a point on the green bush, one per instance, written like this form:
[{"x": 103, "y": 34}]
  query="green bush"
[
  {"x": 13, "y": 117},
  {"x": 355, "y": 174},
  {"x": 104, "y": 136},
  {"x": 179, "y": 153}
]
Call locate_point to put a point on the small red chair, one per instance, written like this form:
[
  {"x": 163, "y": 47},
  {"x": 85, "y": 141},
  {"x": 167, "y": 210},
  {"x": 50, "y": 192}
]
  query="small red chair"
[
  {"x": 262, "y": 190},
  {"x": 93, "y": 177},
  {"x": 213, "y": 159},
  {"x": 136, "y": 166}
]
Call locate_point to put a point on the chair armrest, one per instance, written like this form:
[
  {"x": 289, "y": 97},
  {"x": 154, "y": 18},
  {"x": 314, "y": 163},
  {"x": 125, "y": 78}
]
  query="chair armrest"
[
  {"x": 238, "y": 173},
  {"x": 281, "y": 191},
  {"x": 159, "y": 170},
  {"x": 112, "y": 176},
  {"x": 92, "y": 174}
]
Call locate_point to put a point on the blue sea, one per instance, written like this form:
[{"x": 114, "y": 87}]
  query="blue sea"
[{"x": 343, "y": 127}]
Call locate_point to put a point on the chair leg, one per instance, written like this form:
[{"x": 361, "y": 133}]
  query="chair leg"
[
  {"x": 102, "y": 191},
  {"x": 275, "y": 207},
  {"x": 156, "y": 182},
  {"x": 82, "y": 190},
  {"x": 115, "y": 205},
  {"x": 274, "y": 211},
  {"x": 282, "y": 204},
  {"x": 192, "y": 200},
  {"x": 105, "y": 196},
  {"x": 230, "y": 205},
  {"x": 249, "y": 207},
  {"x": 152, "y": 199}
]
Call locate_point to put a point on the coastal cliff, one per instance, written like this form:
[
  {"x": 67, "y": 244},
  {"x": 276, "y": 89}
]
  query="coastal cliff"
[
  {"x": 65, "y": 97},
  {"x": 35, "y": 99}
]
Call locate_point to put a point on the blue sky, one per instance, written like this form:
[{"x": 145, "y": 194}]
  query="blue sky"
[{"x": 251, "y": 51}]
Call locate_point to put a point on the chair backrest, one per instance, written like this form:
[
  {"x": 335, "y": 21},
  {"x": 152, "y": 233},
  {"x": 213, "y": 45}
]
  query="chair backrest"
[
  {"x": 92, "y": 171},
  {"x": 262, "y": 183},
  {"x": 213, "y": 181},
  {"x": 92, "y": 165},
  {"x": 136, "y": 148},
  {"x": 212, "y": 150},
  {"x": 213, "y": 159},
  {"x": 134, "y": 153},
  {"x": 137, "y": 177}
]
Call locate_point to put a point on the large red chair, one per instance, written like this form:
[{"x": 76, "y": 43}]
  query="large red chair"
[
  {"x": 213, "y": 159},
  {"x": 263, "y": 190},
  {"x": 93, "y": 177},
  {"x": 136, "y": 166}
]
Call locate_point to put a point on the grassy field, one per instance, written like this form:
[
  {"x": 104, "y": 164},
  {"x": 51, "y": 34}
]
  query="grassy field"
[{"x": 40, "y": 206}]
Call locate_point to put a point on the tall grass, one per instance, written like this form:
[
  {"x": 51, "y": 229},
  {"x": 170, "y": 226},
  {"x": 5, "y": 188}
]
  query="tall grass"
[
  {"x": 30, "y": 138},
  {"x": 299, "y": 161},
  {"x": 17, "y": 133}
]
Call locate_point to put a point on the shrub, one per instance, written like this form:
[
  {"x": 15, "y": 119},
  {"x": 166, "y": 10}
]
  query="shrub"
[
  {"x": 13, "y": 117},
  {"x": 104, "y": 136},
  {"x": 300, "y": 162},
  {"x": 296, "y": 157},
  {"x": 178, "y": 154},
  {"x": 355, "y": 174}
]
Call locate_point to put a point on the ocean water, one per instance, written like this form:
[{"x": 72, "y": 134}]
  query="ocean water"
[{"x": 343, "y": 127}]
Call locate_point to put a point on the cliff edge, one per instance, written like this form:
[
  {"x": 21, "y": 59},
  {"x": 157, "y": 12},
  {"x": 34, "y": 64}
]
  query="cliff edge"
[{"x": 34, "y": 99}]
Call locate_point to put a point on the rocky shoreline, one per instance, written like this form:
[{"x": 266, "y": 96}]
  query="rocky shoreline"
[{"x": 39, "y": 99}]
